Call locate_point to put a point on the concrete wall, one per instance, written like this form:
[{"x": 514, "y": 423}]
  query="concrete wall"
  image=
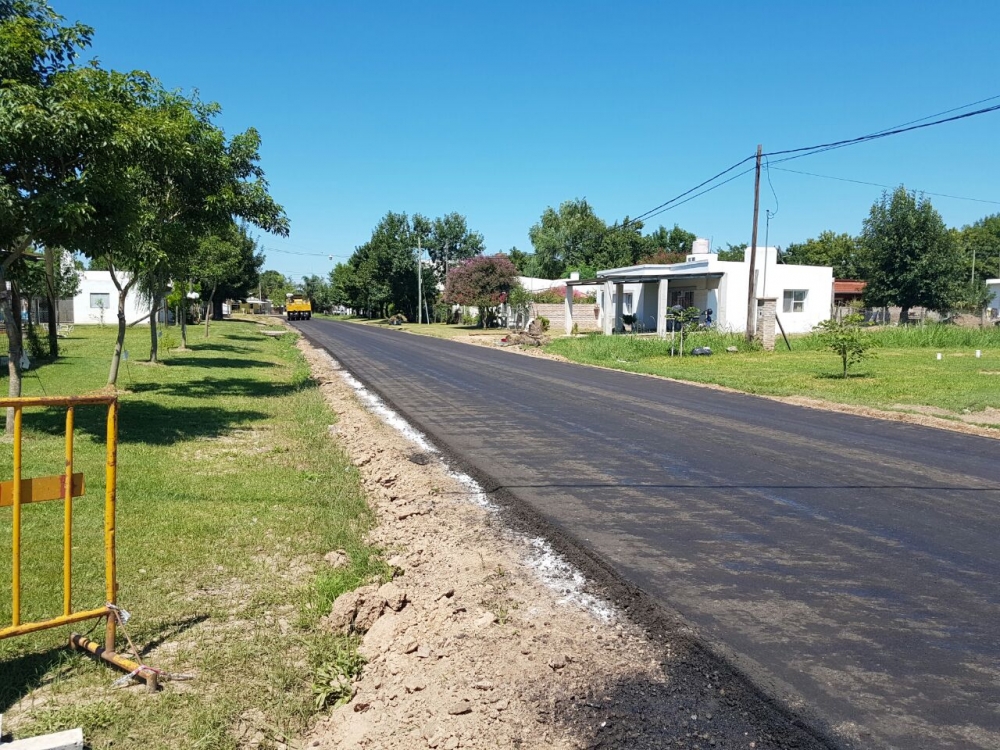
[
  {"x": 97, "y": 285},
  {"x": 583, "y": 316}
]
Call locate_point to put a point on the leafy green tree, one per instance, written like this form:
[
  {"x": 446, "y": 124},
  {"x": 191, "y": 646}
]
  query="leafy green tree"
[
  {"x": 840, "y": 251},
  {"x": 567, "y": 238},
  {"x": 485, "y": 281},
  {"x": 448, "y": 241},
  {"x": 734, "y": 253},
  {"x": 48, "y": 137},
  {"x": 218, "y": 261},
  {"x": 847, "y": 339},
  {"x": 274, "y": 286},
  {"x": 910, "y": 257},
  {"x": 676, "y": 241}
]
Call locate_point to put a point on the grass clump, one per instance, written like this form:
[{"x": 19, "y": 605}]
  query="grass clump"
[{"x": 230, "y": 493}]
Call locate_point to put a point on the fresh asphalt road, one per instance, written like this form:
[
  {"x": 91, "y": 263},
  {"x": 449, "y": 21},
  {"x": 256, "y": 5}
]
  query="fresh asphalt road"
[{"x": 853, "y": 564}]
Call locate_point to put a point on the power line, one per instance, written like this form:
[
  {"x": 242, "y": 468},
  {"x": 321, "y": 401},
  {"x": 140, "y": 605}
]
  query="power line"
[
  {"x": 888, "y": 187},
  {"x": 798, "y": 153},
  {"x": 294, "y": 252}
]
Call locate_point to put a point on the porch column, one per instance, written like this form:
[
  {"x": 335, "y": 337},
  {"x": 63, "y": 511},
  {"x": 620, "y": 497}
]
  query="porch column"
[
  {"x": 662, "y": 298},
  {"x": 607, "y": 314},
  {"x": 619, "y": 307},
  {"x": 569, "y": 309}
]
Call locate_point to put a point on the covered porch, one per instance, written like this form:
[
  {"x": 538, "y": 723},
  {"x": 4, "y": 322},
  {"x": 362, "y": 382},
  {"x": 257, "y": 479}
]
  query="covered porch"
[{"x": 647, "y": 294}]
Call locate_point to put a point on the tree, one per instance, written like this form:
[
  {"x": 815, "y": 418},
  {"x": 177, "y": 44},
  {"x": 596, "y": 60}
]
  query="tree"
[
  {"x": 218, "y": 260},
  {"x": 735, "y": 253},
  {"x": 840, "y": 251},
  {"x": 448, "y": 240},
  {"x": 846, "y": 338},
  {"x": 675, "y": 242},
  {"x": 48, "y": 137},
  {"x": 567, "y": 238},
  {"x": 909, "y": 256},
  {"x": 274, "y": 285},
  {"x": 485, "y": 281}
]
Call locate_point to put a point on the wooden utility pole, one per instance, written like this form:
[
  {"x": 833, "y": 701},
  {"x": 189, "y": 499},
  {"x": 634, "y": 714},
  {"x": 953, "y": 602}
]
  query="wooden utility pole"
[
  {"x": 420, "y": 282},
  {"x": 751, "y": 286}
]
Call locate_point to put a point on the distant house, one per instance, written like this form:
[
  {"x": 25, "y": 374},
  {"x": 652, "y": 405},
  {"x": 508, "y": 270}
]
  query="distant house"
[
  {"x": 804, "y": 294},
  {"x": 993, "y": 305},
  {"x": 97, "y": 301},
  {"x": 847, "y": 292}
]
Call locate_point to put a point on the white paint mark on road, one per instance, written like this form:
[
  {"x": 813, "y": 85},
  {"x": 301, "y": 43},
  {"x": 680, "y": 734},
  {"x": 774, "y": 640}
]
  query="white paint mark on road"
[{"x": 551, "y": 568}]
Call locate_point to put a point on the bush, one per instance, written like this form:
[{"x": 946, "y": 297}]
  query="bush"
[
  {"x": 846, "y": 339},
  {"x": 543, "y": 322}
]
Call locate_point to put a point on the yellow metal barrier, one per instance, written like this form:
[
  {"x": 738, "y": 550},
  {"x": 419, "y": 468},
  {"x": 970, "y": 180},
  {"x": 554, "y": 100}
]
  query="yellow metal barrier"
[{"x": 19, "y": 492}]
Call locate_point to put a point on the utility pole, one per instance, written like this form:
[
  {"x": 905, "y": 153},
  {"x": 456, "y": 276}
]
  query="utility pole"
[
  {"x": 753, "y": 249},
  {"x": 420, "y": 282}
]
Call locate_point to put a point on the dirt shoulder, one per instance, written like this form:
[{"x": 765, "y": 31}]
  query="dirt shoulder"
[{"x": 488, "y": 639}]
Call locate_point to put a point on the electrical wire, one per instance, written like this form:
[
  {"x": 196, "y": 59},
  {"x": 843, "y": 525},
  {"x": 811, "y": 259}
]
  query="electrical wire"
[
  {"x": 887, "y": 187},
  {"x": 798, "y": 153}
]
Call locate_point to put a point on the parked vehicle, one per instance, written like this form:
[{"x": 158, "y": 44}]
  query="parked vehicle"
[{"x": 298, "y": 307}]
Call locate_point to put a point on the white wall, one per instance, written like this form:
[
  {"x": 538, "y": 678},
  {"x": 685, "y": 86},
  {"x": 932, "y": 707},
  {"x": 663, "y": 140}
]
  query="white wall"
[
  {"x": 99, "y": 283},
  {"x": 728, "y": 300},
  {"x": 993, "y": 306}
]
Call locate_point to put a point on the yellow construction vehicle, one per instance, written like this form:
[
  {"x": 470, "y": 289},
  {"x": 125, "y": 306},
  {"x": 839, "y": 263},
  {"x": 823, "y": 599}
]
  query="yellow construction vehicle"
[{"x": 298, "y": 307}]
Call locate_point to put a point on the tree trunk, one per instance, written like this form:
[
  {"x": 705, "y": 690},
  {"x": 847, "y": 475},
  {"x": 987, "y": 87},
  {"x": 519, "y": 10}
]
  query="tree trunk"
[
  {"x": 904, "y": 316},
  {"x": 116, "y": 358},
  {"x": 184, "y": 330},
  {"x": 154, "y": 343},
  {"x": 53, "y": 330},
  {"x": 50, "y": 295},
  {"x": 209, "y": 310},
  {"x": 12, "y": 314}
]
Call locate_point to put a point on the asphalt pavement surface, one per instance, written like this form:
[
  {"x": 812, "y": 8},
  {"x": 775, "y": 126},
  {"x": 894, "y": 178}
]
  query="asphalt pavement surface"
[{"x": 851, "y": 566}]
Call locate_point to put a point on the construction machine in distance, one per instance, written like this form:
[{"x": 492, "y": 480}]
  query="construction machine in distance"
[{"x": 298, "y": 307}]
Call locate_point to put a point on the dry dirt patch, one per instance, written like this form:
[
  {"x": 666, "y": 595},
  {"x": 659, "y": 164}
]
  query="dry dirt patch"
[{"x": 491, "y": 643}]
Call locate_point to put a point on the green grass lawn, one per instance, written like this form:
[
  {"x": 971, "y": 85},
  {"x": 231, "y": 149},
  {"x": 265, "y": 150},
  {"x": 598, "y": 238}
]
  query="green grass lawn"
[
  {"x": 230, "y": 491},
  {"x": 904, "y": 371}
]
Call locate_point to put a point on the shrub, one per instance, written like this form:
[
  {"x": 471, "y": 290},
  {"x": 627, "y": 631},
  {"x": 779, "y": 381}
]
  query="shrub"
[
  {"x": 543, "y": 322},
  {"x": 845, "y": 338}
]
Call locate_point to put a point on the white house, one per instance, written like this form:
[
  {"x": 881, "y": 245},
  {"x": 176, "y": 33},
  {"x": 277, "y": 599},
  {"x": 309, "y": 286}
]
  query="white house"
[
  {"x": 804, "y": 293},
  {"x": 97, "y": 301}
]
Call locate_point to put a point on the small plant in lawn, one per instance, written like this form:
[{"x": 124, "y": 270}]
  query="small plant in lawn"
[
  {"x": 846, "y": 338},
  {"x": 543, "y": 322}
]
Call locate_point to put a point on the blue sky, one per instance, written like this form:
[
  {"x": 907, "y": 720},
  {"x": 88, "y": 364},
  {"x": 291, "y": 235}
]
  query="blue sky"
[{"x": 498, "y": 110}]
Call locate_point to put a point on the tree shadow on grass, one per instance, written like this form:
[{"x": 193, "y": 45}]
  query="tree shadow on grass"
[
  {"x": 146, "y": 422},
  {"x": 218, "y": 363},
  {"x": 222, "y": 387},
  {"x": 22, "y": 674},
  {"x": 840, "y": 376}
]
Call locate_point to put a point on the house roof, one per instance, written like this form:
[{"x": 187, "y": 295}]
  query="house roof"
[
  {"x": 628, "y": 276},
  {"x": 846, "y": 286}
]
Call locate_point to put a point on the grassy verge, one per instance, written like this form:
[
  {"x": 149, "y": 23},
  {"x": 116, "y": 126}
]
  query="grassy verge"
[
  {"x": 905, "y": 371},
  {"x": 230, "y": 493}
]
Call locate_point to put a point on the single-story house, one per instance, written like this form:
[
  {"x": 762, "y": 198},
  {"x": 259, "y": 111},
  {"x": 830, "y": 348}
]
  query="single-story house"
[
  {"x": 993, "y": 305},
  {"x": 97, "y": 301},
  {"x": 804, "y": 294},
  {"x": 847, "y": 292}
]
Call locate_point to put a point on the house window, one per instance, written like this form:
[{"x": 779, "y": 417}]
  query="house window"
[
  {"x": 683, "y": 298},
  {"x": 795, "y": 300},
  {"x": 100, "y": 300},
  {"x": 628, "y": 303}
]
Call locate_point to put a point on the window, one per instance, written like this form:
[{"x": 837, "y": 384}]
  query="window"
[
  {"x": 684, "y": 298},
  {"x": 628, "y": 303},
  {"x": 795, "y": 300},
  {"x": 100, "y": 300}
]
